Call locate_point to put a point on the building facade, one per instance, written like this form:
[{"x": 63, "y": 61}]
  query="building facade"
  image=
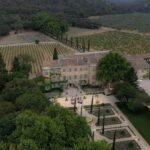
[{"x": 80, "y": 68}]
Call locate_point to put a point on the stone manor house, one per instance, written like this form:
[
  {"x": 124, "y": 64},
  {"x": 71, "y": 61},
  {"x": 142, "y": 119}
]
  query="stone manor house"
[{"x": 80, "y": 68}]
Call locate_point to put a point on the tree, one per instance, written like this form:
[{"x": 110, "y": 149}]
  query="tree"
[
  {"x": 27, "y": 144},
  {"x": 89, "y": 44},
  {"x": 55, "y": 54},
  {"x": 39, "y": 129},
  {"x": 92, "y": 145},
  {"x": 77, "y": 42},
  {"x": 21, "y": 66},
  {"x": 37, "y": 41},
  {"x": 98, "y": 116},
  {"x": 2, "y": 65},
  {"x": 83, "y": 45},
  {"x": 125, "y": 91},
  {"x": 34, "y": 101},
  {"x": 17, "y": 87},
  {"x": 6, "y": 108},
  {"x": 113, "y": 68},
  {"x": 103, "y": 128},
  {"x": 4, "y": 78},
  {"x": 73, "y": 127},
  {"x": 8, "y": 120},
  {"x": 91, "y": 109},
  {"x": 114, "y": 141}
]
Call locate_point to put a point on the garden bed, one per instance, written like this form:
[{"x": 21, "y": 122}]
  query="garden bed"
[
  {"x": 110, "y": 121},
  {"x": 127, "y": 145},
  {"x": 103, "y": 111},
  {"x": 120, "y": 133}
]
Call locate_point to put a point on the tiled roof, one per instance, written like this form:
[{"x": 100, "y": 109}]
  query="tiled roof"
[{"x": 79, "y": 59}]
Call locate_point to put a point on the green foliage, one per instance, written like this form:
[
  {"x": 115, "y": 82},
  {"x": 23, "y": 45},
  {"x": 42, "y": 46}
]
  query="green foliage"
[
  {"x": 55, "y": 54},
  {"x": 27, "y": 145},
  {"x": 6, "y": 108},
  {"x": 131, "y": 21},
  {"x": 17, "y": 87},
  {"x": 21, "y": 66},
  {"x": 37, "y": 41},
  {"x": 73, "y": 127},
  {"x": 8, "y": 120},
  {"x": 49, "y": 24},
  {"x": 113, "y": 68},
  {"x": 124, "y": 91},
  {"x": 35, "y": 101},
  {"x": 3, "y": 74},
  {"x": 136, "y": 106},
  {"x": 99, "y": 145}
]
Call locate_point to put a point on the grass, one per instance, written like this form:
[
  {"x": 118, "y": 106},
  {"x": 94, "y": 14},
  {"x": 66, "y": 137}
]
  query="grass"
[
  {"x": 140, "y": 121},
  {"x": 129, "y": 43},
  {"x": 132, "y": 21}
]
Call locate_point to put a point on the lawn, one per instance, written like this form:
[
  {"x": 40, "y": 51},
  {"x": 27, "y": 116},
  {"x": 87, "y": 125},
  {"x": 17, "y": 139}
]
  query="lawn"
[{"x": 140, "y": 121}]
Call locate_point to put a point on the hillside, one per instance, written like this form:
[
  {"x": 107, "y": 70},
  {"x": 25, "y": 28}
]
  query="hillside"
[
  {"x": 20, "y": 13},
  {"x": 131, "y": 21}
]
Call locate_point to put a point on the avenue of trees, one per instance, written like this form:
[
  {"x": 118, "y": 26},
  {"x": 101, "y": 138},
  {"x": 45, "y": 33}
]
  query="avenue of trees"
[{"x": 28, "y": 121}]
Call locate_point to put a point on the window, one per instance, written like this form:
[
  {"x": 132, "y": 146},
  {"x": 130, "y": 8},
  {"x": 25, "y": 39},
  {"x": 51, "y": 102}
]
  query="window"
[
  {"x": 75, "y": 77},
  {"x": 64, "y": 77},
  {"x": 80, "y": 69},
  {"x": 85, "y": 76},
  {"x": 69, "y": 77},
  {"x": 69, "y": 69},
  {"x": 75, "y": 69},
  {"x": 64, "y": 70}
]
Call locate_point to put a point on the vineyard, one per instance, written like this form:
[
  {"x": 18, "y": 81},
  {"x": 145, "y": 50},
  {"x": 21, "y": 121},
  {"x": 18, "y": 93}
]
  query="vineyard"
[
  {"x": 39, "y": 53},
  {"x": 129, "y": 43}
]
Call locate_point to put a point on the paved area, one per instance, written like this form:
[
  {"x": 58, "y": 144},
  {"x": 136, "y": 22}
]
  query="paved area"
[
  {"x": 71, "y": 93},
  {"x": 145, "y": 84}
]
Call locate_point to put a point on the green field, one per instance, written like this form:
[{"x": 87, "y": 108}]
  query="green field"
[
  {"x": 134, "y": 21},
  {"x": 140, "y": 121},
  {"x": 120, "y": 41}
]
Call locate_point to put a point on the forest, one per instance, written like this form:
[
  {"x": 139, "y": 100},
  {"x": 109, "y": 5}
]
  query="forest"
[{"x": 16, "y": 14}]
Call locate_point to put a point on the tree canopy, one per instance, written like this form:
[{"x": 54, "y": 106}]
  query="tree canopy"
[{"x": 114, "y": 68}]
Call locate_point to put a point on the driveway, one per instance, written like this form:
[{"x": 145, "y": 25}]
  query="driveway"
[{"x": 145, "y": 84}]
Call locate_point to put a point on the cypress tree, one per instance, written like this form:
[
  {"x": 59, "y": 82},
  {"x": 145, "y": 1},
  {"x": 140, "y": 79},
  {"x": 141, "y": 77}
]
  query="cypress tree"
[
  {"x": 103, "y": 129},
  {"x": 89, "y": 44},
  {"x": 75, "y": 105},
  {"x": 91, "y": 110},
  {"x": 2, "y": 65},
  {"x": 77, "y": 42},
  {"x": 83, "y": 45},
  {"x": 81, "y": 110},
  {"x": 66, "y": 39},
  {"x": 55, "y": 54},
  {"x": 99, "y": 111},
  {"x": 15, "y": 65},
  {"x": 71, "y": 41},
  {"x": 114, "y": 141}
]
